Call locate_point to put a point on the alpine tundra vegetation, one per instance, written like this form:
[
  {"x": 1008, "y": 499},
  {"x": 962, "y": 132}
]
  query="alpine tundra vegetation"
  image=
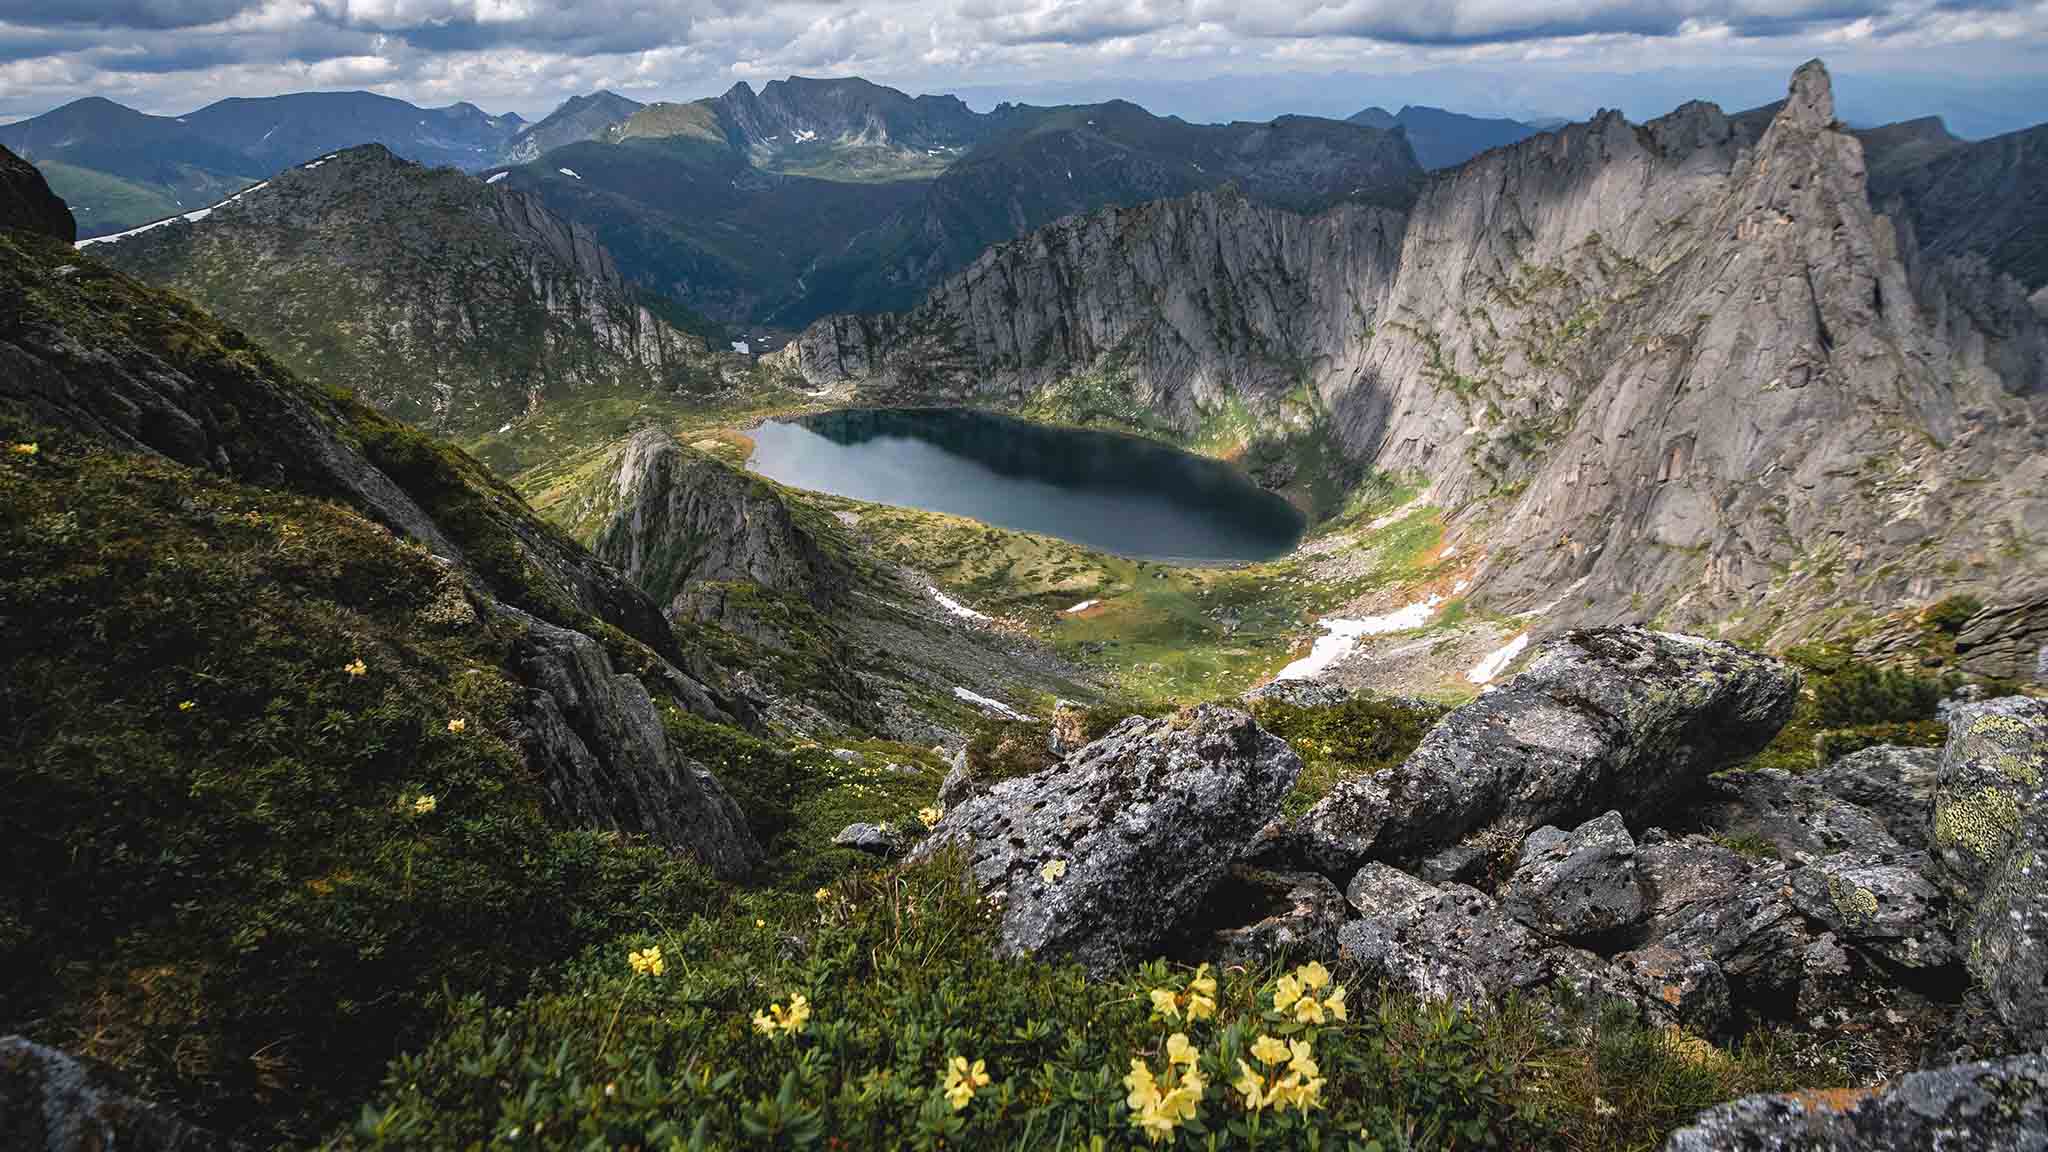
[{"x": 422, "y": 729}]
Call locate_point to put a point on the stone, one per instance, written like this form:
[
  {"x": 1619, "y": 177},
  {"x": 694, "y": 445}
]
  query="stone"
[
  {"x": 1302, "y": 912},
  {"x": 599, "y": 745},
  {"x": 51, "y": 1101},
  {"x": 874, "y": 838},
  {"x": 1707, "y": 902},
  {"x": 1102, "y": 857},
  {"x": 1601, "y": 715},
  {"x": 848, "y": 756},
  {"x": 1067, "y": 733},
  {"x": 1883, "y": 903},
  {"x": 1991, "y": 838},
  {"x": 27, "y": 203},
  {"x": 1577, "y": 885},
  {"x": 960, "y": 784},
  {"x": 1692, "y": 988},
  {"x": 903, "y": 769},
  {"x": 1455, "y": 943},
  {"x": 1895, "y": 784},
  {"x": 1991, "y": 1106},
  {"x": 1800, "y": 817}
]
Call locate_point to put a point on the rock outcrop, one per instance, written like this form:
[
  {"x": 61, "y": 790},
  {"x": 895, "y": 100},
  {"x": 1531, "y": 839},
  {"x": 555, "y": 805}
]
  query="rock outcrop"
[
  {"x": 1993, "y": 1106},
  {"x": 51, "y": 1101},
  {"x": 679, "y": 517},
  {"x": 1578, "y": 884},
  {"x": 1103, "y": 856},
  {"x": 27, "y": 203},
  {"x": 598, "y": 741},
  {"x": 1603, "y": 716},
  {"x": 443, "y": 301}
]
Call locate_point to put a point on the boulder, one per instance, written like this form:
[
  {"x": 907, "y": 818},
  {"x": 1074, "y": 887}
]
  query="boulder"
[
  {"x": 960, "y": 784},
  {"x": 51, "y": 1101},
  {"x": 1693, "y": 989},
  {"x": 1454, "y": 943},
  {"x": 1299, "y": 915},
  {"x": 1069, "y": 720},
  {"x": 1800, "y": 817},
  {"x": 1600, "y": 715},
  {"x": 1991, "y": 837},
  {"x": 1579, "y": 884},
  {"x": 875, "y": 838},
  {"x": 1894, "y": 784},
  {"x": 598, "y": 742},
  {"x": 1882, "y": 903},
  {"x": 1994, "y": 1106},
  {"x": 1706, "y": 902},
  {"x": 1103, "y": 856},
  {"x": 27, "y": 203}
]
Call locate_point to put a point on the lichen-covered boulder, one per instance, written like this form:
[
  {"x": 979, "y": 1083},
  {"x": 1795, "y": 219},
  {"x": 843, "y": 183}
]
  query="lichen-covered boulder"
[
  {"x": 1798, "y": 816},
  {"x": 1576, "y": 885},
  {"x": 1605, "y": 717},
  {"x": 1994, "y": 1106},
  {"x": 1708, "y": 902},
  {"x": 1102, "y": 856},
  {"x": 51, "y": 1101},
  {"x": 1455, "y": 943},
  {"x": 1883, "y": 903},
  {"x": 1298, "y": 913},
  {"x": 1895, "y": 784},
  {"x": 1991, "y": 837}
]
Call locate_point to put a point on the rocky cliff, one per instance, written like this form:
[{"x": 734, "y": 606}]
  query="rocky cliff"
[
  {"x": 27, "y": 202},
  {"x": 679, "y": 517},
  {"x": 1554, "y": 339},
  {"x": 442, "y": 300}
]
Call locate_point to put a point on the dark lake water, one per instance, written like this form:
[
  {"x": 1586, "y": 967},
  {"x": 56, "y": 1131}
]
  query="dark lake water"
[{"x": 1117, "y": 493}]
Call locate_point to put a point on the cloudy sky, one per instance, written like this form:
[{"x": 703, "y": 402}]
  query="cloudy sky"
[{"x": 1982, "y": 64}]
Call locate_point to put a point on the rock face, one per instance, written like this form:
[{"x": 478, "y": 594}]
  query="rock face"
[
  {"x": 1183, "y": 305},
  {"x": 1991, "y": 833},
  {"x": 598, "y": 740},
  {"x": 53, "y": 1102},
  {"x": 27, "y": 203},
  {"x": 680, "y": 518},
  {"x": 1639, "y": 283},
  {"x": 1995, "y": 1106},
  {"x": 1302, "y": 913},
  {"x": 448, "y": 303},
  {"x": 1577, "y": 884},
  {"x": 1102, "y": 856},
  {"x": 1608, "y": 714}
]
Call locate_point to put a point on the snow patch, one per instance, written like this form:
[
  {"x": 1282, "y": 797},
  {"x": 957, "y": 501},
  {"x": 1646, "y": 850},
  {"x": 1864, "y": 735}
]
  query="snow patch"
[
  {"x": 1447, "y": 553},
  {"x": 314, "y": 164},
  {"x": 506, "y": 427},
  {"x": 988, "y": 705},
  {"x": 803, "y": 137},
  {"x": 1460, "y": 586},
  {"x": 957, "y": 608},
  {"x": 495, "y": 177},
  {"x": 569, "y": 172},
  {"x": 742, "y": 347},
  {"x": 1083, "y": 606},
  {"x": 1497, "y": 660},
  {"x": 1340, "y": 636},
  {"x": 192, "y": 217}
]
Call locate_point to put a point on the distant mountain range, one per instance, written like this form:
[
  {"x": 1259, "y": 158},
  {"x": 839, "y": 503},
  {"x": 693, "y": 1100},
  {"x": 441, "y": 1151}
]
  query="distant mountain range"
[
  {"x": 119, "y": 168},
  {"x": 1447, "y": 139}
]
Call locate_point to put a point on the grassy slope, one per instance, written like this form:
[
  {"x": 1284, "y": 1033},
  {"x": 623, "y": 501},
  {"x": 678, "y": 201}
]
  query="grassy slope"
[{"x": 104, "y": 202}]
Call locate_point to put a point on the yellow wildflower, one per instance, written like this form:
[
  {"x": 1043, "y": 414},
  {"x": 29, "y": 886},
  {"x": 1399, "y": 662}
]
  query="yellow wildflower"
[
  {"x": 1251, "y": 1086},
  {"x": 1202, "y": 995},
  {"x": 1334, "y": 1004},
  {"x": 962, "y": 1079},
  {"x": 822, "y": 895},
  {"x": 424, "y": 804},
  {"x": 928, "y": 816},
  {"x": 1313, "y": 975},
  {"x": 1179, "y": 1051},
  {"x": 760, "y": 923},
  {"x": 356, "y": 667},
  {"x": 457, "y": 724},
  {"x": 1269, "y": 1050},
  {"x": 29, "y": 449},
  {"x": 647, "y": 961},
  {"x": 1157, "y": 1113},
  {"x": 1303, "y": 1060},
  {"x": 1165, "y": 1003},
  {"x": 187, "y": 705},
  {"x": 786, "y": 1021},
  {"x": 1053, "y": 870},
  {"x": 1286, "y": 991},
  {"x": 1144, "y": 1091}
]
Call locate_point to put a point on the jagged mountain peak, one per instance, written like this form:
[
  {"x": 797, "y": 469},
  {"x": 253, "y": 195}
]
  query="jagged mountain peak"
[{"x": 1812, "y": 100}]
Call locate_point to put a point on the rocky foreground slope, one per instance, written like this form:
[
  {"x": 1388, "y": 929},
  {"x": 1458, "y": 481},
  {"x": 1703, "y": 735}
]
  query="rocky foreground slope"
[
  {"x": 445, "y": 302},
  {"x": 1554, "y": 339}
]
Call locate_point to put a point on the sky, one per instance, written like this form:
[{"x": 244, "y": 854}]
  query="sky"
[{"x": 1982, "y": 65}]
